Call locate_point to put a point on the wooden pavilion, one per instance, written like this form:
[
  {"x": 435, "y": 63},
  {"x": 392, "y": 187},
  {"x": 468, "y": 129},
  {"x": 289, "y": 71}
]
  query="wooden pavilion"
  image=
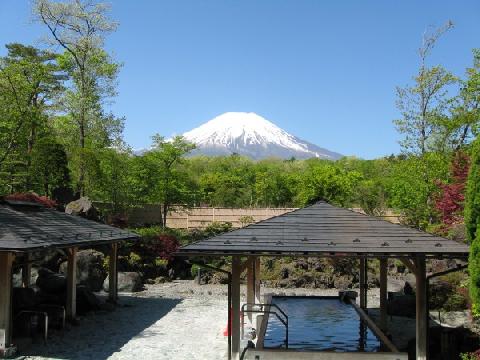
[
  {"x": 26, "y": 228},
  {"x": 323, "y": 230}
]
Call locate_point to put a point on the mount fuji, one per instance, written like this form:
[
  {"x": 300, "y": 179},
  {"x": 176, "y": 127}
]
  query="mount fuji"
[{"x": 251, "y": 135}]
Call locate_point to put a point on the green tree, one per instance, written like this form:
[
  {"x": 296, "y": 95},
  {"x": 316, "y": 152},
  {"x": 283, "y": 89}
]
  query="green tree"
[
  {"x": 49, "y": 170},
  {"x": 412, "y": 187},
  {"x": 463, "y": 124},
  {"x": 30, "y": 82},
  {"x": 323, "y": 180},
  {"x": 80, "y": 27},
  {"x": 172, "y": 182},
  {"x": 424, "y": 103}
]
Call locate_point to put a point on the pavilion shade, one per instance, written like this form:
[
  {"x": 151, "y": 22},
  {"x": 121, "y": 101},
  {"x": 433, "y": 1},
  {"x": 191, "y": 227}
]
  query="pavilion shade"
[
  {"x": 26, "y": 228},
  {"x": 326, "y": 229}
]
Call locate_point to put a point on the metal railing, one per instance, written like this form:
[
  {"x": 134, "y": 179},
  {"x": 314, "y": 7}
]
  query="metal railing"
[{"x": 262, "y": 310}]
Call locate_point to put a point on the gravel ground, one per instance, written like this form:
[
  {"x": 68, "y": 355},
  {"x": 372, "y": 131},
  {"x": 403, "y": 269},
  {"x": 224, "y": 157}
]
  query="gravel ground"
[{"x": 178, "y": 320}]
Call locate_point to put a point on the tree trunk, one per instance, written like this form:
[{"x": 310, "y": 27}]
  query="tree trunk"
[{"x": 165, "y": 210}]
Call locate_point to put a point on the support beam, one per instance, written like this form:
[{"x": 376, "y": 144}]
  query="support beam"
[
  {"x": 72, "y": 283},
  {"x": 244, "y": 265},
  {"x": 363, "y": 280},
  {"x": 6, "y": 261},
  {"x": 421, "y": 305},
  {"x": 251, "y": 288},
  {"x": 383, "y": 293},
  {"x": 113, "y": 274},
  {"x": 235, "y": 307},
  {"x": 27, "y": 271},
  {"x": 258, "y": 299},
  {"x": 409, "y": 264}
]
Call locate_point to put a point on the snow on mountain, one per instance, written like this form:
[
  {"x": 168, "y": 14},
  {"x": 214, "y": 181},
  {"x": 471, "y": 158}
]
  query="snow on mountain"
[{"x": 251, "y": 135}]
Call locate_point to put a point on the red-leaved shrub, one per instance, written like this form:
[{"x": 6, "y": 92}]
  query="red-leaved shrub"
[
  {"x": 449, "y": 203},
  {"x": 164, "y": 246},
  {"x": 32, "y": 197}
]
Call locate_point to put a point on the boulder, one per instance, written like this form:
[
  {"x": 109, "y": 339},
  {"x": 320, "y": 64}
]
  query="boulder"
[
  {"x": 17, "y": 277},
  {"x": 127, "y": 282},
  {"x": 402, "y": 305},
  {"x": 86, "y": 300},
  {"x": 51, "y": 282},
  {"x": 82, "y": 207},
  {"x": 440, "y": 292},
  {"x": 90, "y": 269},
  {"x": 343, "y": 282},
  {"x": 410, "y": 284}
]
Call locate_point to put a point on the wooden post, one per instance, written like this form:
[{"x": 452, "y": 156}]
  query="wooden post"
[
  {"x": 235, "y": 307},
  {"x": 72, "y": 283},
  {"x": 113, "y": 274},
  {"x": 258, "y": 299},
  {"x": 6, "y": 261},
  {"x": 250, "y": 288},
  {"x": 383, "y": 293},
  {"x": 363, "y": 290},
  {"x": 27, "y": 271},
  {"x": 421, "y": 305}
]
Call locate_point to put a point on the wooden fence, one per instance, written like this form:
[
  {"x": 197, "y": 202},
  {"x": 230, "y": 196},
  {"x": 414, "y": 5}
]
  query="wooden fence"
[{"x": 201, "y": 217}]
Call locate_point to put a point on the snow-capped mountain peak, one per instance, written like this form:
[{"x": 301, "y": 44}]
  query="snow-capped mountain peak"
[{"x": 251, "y": 135}]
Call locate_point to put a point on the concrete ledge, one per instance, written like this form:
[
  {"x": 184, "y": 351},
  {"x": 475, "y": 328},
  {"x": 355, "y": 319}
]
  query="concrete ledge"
[{"x": 254, "y": 354}]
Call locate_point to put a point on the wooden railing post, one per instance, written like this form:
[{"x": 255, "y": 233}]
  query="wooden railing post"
[
  {"x": 6, "y": 261},
  {"x": 72, "y": 283},
  {"x": 113, "y": 274},
  {"x": 235, "y": 329},
  {"x": 383, "y": 293}
]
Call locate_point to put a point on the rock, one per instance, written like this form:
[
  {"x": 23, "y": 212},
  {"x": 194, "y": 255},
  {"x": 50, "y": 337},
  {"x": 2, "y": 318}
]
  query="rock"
[
  {"x": 440, "y": 292},
  {"x": 17, "y": 277},
  {"x": 301, "y": 264},
  {"x": 402, "y": 305},
  {"x": 303, "y": 280},
  {"x": 90, "y": 270},
  {"x": 372, "y": 280},
  {"x": 51, "y": 282},
  {"x": 161, "y": 280},
  {"x": 127, "y": 282},
  {"x": 82, "y": 207},
  {"x": 86, "y": 300},
  {"x": 342, "y": 282},
  {"x": 284, "y": 272},
  {"x": 410, "y": 284},
  {"x": 452, "y": 319}
]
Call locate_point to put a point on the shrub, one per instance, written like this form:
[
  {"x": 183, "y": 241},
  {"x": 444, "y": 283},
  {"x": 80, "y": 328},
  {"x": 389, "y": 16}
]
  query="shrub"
[
  {"x": 32, "y": 197},
  {"x": 164, "y": 246},
  {"x": 194, "y": 270},
  {"x": 472, "y": 221},
  {"x": 246, "y": 220},
  {"x": 216, "y": 228}
]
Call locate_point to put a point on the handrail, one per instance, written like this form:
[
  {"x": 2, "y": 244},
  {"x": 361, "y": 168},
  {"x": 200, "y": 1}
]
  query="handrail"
[{"x": 263, "y": 311}]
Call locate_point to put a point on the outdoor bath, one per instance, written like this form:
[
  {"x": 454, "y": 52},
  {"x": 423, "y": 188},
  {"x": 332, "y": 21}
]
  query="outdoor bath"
[
  {"x": 319, "y": 323},
  {"x": 319, "y": 327}
]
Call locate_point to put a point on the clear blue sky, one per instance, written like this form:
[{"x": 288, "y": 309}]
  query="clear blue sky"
[{"x": 325, "y": 71}]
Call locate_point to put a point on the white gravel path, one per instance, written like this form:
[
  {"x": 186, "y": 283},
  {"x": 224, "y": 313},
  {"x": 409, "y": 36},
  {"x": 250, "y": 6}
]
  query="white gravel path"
[{"x": 178, "y": 320}]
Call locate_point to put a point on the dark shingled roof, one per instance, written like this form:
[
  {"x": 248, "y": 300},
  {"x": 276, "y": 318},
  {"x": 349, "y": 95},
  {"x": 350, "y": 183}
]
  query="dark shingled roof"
[
  {"x": 27, "y": 227},
  {"x": 326, "y": 230}
]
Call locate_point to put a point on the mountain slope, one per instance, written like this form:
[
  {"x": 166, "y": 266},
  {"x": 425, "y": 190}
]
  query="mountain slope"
[{"x": 251, "y": 135}]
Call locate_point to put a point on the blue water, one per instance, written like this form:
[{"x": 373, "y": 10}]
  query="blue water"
[{"x": 318, "y": 323}]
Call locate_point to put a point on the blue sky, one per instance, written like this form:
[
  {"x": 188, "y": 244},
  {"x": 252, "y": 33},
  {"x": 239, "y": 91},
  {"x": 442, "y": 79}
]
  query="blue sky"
[{"x": 325, "y": 71}]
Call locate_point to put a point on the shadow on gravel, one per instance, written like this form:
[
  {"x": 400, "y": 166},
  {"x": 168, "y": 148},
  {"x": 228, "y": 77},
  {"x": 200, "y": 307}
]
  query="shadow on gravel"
[{"x": 99, "y": 335}]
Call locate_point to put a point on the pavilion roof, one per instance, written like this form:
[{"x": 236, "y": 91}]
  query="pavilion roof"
[
  {"x": 326, "y": 230},
  {"x": 26, "y": 227}
]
